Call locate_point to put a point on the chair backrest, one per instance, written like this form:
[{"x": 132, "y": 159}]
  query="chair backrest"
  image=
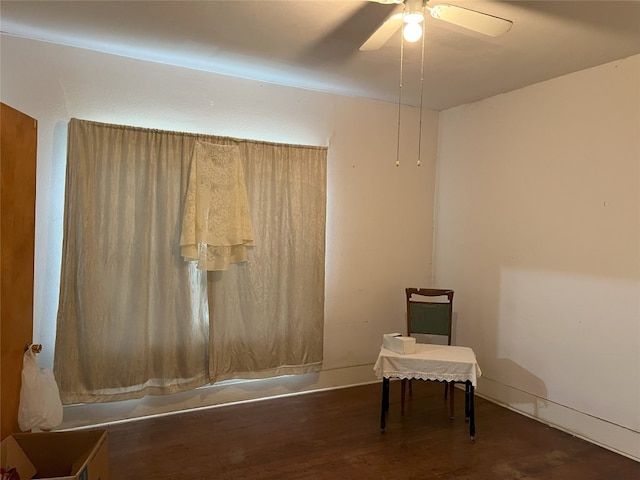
[{"x": 427, "y": 316}]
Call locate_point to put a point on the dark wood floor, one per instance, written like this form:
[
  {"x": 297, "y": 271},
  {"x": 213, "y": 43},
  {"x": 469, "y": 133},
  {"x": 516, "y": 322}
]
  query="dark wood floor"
[{"x": 336, "y": 435}]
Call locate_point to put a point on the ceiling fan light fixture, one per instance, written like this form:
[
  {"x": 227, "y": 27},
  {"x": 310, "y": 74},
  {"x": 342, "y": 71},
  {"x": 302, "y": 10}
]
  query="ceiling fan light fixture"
[
  {"x": 412, "y": 32},
  {"x": 413, "y": 17}
]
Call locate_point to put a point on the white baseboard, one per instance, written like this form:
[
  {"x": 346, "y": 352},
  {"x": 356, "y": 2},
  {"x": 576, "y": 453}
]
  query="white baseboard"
[
  {"x": 223, "y": 393},
  {"x": 595, "y": 430}
]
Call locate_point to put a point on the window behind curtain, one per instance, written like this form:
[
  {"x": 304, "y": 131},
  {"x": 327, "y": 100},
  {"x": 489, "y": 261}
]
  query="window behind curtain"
[{"x": 134, "y": 318}]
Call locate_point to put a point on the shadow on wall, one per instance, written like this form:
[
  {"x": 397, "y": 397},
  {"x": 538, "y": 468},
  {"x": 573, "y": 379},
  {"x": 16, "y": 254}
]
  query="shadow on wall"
[
  {"x": 528, "y": 401},
  {"x": 506, "y": 342}
]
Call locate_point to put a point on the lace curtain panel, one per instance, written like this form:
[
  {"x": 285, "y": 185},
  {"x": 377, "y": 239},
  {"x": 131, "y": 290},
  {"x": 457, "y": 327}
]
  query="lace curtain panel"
[{"x": 134, "y": 317}]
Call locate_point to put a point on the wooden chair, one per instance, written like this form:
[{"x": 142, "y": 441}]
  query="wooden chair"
[{"x": 429, "y": 313}]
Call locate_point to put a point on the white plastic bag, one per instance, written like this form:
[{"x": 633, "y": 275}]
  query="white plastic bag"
[{"x": 40, "y": 405}]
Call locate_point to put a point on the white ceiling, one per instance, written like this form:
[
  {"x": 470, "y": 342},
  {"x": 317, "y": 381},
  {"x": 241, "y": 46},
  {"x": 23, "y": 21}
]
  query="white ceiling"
[{"x": 314, "y": 44}]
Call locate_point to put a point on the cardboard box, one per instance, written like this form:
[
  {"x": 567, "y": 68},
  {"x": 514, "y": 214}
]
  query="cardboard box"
[
  {"x": 399, "y": 344},
  {"x": 75, "y": 455}
]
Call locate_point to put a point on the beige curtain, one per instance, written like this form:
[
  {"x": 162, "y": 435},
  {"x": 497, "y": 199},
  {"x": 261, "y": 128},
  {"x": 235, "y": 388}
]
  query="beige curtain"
[
  {"x": 269, "y": 311},
  {"x": 134, "y": 317}
]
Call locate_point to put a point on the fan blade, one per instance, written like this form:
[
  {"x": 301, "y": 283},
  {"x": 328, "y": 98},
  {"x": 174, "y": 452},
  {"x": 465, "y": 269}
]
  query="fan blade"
[
  {"x": 472, "y": 20},
  {"x": 383, "y": 33}
]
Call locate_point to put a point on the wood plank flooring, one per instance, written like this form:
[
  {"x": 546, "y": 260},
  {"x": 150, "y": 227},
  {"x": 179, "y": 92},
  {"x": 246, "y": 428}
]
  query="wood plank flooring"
[{"x": 336, "y": 435}]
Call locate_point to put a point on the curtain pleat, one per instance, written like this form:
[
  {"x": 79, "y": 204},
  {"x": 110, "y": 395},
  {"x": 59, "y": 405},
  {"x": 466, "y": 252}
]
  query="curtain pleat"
[{"x": 134, "y": 318}]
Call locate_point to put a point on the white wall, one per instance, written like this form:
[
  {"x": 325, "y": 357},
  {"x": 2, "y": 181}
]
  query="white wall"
[
  {"x": 538, "y": 232},
  {"x": 379, "y": 216}
]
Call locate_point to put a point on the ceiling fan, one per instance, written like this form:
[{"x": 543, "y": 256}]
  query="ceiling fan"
[{"x": 411, "y": 15}]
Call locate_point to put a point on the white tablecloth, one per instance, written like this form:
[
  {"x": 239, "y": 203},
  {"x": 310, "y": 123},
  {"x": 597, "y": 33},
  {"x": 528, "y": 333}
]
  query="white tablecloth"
[{"x": 430, "y": 362}]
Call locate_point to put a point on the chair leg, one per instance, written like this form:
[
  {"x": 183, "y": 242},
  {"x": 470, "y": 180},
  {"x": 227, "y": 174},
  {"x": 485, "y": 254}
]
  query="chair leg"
[{"x": 402, "y": 387}]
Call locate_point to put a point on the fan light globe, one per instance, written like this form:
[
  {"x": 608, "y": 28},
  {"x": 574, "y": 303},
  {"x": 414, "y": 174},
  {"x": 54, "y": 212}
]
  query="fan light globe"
[
  {"x": 412, "y": 32},
  {"x": 413, "y": 17}
]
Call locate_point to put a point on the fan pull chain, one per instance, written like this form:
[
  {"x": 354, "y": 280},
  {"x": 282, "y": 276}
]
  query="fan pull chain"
[
  {"x": 421, "y": 92},
  {"x": 400, "y": 92}
]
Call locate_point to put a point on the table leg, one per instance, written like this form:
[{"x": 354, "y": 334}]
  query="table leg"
[
  {"x": 451, "y": 405},
  {"x": 385, "y": 403},
  {"x": 472, "y": 413},
  {"x": 466, "y": 401}
]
